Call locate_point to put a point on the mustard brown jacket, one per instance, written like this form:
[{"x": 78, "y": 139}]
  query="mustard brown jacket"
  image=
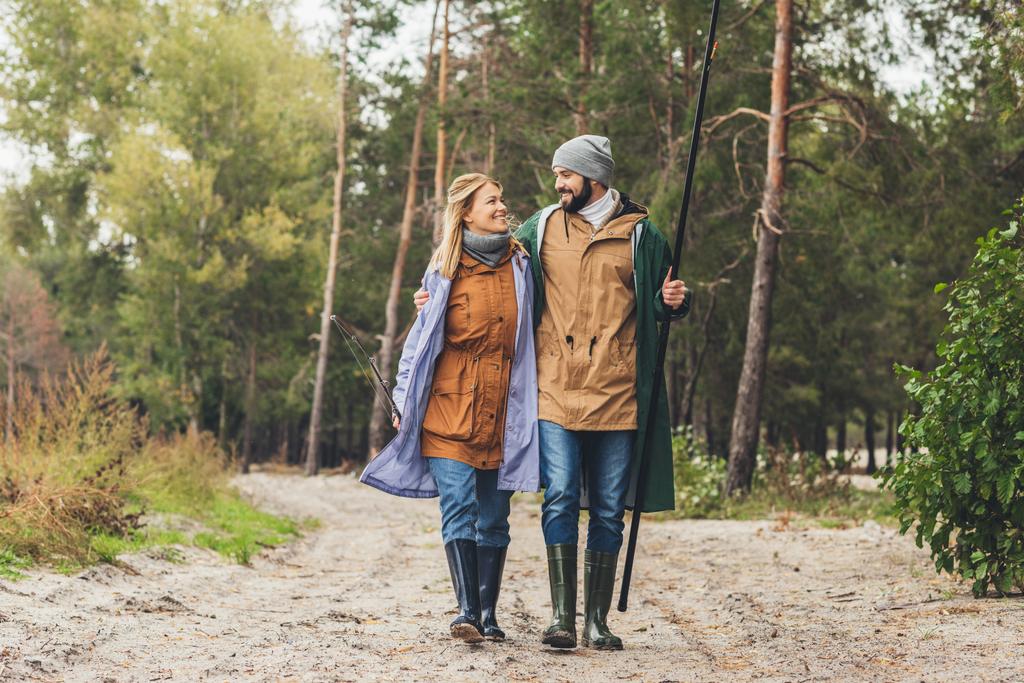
[
  {"x": 400, "y": 468},
  {"x": 466, "y": 413},
  {"x": 651, "y": 262}
]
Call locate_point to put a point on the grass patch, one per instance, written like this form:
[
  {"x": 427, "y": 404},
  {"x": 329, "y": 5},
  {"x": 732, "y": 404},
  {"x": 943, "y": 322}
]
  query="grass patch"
[
  {"x": 239, "y": 531},
  {"x": 82, "y": 481},
  {"x": 836, "y": 508},
  {"x": 11, "y": 564},
  {"x": 787, "y": 485}
]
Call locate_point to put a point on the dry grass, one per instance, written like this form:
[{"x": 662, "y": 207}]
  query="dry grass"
[
  {"x": 64, "y": 464},
  {"x": 79, "y": 472}
]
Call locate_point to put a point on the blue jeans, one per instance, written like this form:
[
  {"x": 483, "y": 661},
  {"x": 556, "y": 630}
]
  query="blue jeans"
[
  {"x": 604, "y": 458},
  {"x": 472, "y": 507}
]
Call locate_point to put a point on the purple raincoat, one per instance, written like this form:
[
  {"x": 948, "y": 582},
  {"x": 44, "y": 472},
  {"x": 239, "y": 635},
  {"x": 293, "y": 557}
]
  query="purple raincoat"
[{"x": 400, "y": 468}]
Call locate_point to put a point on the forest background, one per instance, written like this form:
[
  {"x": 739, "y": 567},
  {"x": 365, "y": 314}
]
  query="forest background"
[{"x": 176, "y": 192}]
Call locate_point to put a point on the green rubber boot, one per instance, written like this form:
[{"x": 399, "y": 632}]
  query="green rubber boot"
[
  {"x": 562, "y": 577},
  {"x": 598, "y": 583}
]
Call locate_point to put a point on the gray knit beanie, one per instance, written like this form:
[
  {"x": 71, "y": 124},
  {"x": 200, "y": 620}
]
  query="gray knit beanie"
[{"x": 588, "y": 155}]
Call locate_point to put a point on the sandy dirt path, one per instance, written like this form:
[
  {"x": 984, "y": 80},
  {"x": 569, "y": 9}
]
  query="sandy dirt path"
[{"x": 368, "y": 597}]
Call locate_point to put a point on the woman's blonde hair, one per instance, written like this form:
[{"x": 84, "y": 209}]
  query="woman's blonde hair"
[{"x": 460, "y": 197}]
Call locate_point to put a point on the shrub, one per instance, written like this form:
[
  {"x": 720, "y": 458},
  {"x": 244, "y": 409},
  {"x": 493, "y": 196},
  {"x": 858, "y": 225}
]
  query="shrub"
[
  {"x": 698, "y": 475},
  {"x": 962, "y": 483},
  {"x": 78, "y": 471},
  {"x": 63, "y": 465},
  {"x": 802, "y": 483}
]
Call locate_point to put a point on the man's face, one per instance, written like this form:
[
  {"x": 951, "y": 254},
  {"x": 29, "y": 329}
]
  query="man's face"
[{"x": 573, "y": 189}]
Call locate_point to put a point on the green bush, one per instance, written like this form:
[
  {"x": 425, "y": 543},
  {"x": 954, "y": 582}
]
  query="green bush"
[
  {"x": 784, "y": 482},
  {"x": 962, "y": 483},
  {"x": 698, "y": 475}
]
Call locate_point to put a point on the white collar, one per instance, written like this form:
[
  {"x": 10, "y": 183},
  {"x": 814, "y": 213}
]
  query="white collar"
[{"x": 598, "y": 213}]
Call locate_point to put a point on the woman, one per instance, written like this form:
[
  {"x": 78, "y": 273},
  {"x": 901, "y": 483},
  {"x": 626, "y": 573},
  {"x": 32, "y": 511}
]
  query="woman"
[{"x": 467, "y": 394}]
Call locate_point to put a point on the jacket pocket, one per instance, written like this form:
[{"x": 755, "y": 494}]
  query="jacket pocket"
[
  {"x": 546, "y": 343},
  {"x": 450, "y": 409},
  {"x": 456, "y": 319},
  {"x": 623, "y": 353}
]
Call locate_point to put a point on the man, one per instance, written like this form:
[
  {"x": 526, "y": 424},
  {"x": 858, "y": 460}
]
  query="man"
[{"x": 597, "y": 265}]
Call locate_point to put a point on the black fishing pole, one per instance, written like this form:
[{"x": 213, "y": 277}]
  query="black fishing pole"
[
  {"x": 387, "y": 402},
  {"x": 638, "y": 505}
]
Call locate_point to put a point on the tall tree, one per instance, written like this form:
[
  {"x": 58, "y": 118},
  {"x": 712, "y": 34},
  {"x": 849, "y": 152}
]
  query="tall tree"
[
  {"x": 586, "y": 59},
  {"x": 378, "y": 423},
  {"x": 441, "y": 165},
  {"x": 313, "y": 442},
  {"x": 747, "y": 415},
  {"x": 29, "y": 333}
]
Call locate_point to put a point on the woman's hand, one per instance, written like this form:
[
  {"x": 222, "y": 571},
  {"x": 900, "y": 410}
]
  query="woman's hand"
[{"x": 420, "y": 298}]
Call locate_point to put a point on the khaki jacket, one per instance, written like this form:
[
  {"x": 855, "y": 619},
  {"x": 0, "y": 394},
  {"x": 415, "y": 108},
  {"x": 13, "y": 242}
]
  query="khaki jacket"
[
  {"x": 465, "y": 416},
  {"x": 652, "y": 259},
  {"x": 586, "y": 340}
]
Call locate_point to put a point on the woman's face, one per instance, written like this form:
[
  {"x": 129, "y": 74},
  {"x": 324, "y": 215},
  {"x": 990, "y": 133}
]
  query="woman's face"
[{"x": 487, "y": 213}]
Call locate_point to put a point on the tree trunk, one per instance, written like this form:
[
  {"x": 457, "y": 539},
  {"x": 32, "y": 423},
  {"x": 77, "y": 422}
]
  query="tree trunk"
[
  {"x": 250, "y": 411},
  {"x": 313, "y": 441},
  {"x": 222, "y": 411},
  {"x": 11, "y": 377},
  {"x": 869, "y": 439},
  {"x": 747, "y": 415},
  {"x": 672, "y": 388},
  {"x": 586, "y": 64},
  {"x": 379, "y": 420},
  {"x": 688, "y": 67},
  {"x": 901, "y": 444},
  {"x": 841, "y": 433},
  {"x": 179, "y": 340},
  {"x": 889, "y": 420},
  {"x": 492, "y": 130},
  {"x": 709, "y": 427},
  {"x": 442, "y": 132},
  {"x": 820, "y": 437},
  {"x": 698, "y": 363},
  {"x": 349, "y": 428}
]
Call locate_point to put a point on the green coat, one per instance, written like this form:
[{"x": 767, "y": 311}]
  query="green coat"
[{"x": 651, "y": 262}]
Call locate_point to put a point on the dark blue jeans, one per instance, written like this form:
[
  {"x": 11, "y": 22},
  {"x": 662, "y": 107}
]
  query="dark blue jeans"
[
  {"x": 472, "y": 507},
  {"x": 604, "y": 458}
]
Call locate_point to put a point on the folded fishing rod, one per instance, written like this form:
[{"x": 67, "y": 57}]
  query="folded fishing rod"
[
  {"x": 638, "y": 505},
  {"x": 386, "y": 400}
]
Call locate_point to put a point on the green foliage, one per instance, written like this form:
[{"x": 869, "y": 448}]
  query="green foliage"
[
  {"x": 963, "y": 483},
  {"x": 12, "y": 564},
  {"x": 698, "y": 475},
  {"x": 784, "y": 484}
]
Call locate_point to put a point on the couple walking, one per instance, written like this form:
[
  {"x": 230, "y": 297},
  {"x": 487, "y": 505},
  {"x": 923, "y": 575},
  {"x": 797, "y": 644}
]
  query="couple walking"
[{"x": 530, "y": 366}]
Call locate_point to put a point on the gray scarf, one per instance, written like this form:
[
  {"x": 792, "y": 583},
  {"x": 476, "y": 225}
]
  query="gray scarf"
[{"x": 489, "y": 249}]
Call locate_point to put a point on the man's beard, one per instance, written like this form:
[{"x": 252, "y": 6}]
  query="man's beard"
[{"x": 580, "y": 200}]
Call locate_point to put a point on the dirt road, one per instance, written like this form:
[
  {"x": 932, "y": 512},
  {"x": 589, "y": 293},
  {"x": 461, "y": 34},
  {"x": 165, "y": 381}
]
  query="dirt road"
[{"x": 368, "y": 597}]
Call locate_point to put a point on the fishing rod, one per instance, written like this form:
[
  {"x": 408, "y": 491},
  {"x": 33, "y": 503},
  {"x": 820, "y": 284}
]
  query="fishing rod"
[
  {"x": 386, "y": 402},
  {"x": 638, "y": 505}
]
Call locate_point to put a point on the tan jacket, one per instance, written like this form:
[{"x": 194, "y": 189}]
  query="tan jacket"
[
  {"x": 465, "y": 416},
  {"x": 586, "y": 340}
]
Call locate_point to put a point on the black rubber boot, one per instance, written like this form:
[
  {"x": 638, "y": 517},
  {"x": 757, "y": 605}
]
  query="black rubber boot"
[
  {"x": 562, "y": 577},
  {"x": 463, "y": 566},
  {"x": 491, "y": 564},
  {"x": 598, "y": 584}
]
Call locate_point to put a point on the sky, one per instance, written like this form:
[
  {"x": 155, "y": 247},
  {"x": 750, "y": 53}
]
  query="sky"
[{"x": 318, "y": 21}]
